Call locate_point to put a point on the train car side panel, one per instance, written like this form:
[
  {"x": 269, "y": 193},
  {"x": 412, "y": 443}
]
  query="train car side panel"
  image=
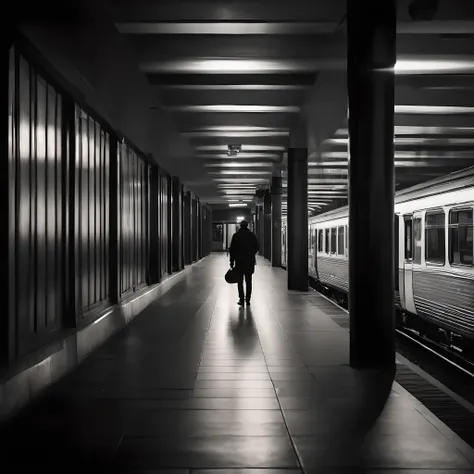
[{"x": 445, "y": 298}]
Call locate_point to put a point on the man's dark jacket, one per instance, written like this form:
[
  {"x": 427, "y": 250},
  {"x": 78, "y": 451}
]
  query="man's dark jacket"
[{"x": 243, "y": 248}]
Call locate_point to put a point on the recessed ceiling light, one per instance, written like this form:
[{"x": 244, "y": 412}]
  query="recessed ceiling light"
[
  {"x": 230, "y": 108},
  {"x": 238, "y": 165},
  {"x": 230, "y": 134},
  {"x": 242, "y": 156},
  {"x": 244, "y": 148},
  {"x": 428, "y": 66},
  {"x": 433, "y": 109}
]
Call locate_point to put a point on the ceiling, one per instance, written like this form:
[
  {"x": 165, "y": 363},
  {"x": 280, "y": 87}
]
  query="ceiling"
[{"x": 248, "y": 72}]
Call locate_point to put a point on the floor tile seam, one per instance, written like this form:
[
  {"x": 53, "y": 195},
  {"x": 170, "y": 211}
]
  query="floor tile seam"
[
  {"x": 207, "y": 332},
  {"x": 293, "y": 445}
]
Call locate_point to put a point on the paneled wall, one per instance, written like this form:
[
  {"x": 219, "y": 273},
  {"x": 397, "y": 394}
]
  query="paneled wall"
[
  {"x": 91, "y": 205},
  {"x": 91, "y": 219},
  {"x": 164, "y": 215},
  {"x": 206, "y": 230},
  {"x": 36, "y": 205},
  {"x": 187, "y": 217},
  {"x": 133, "y": 219}
]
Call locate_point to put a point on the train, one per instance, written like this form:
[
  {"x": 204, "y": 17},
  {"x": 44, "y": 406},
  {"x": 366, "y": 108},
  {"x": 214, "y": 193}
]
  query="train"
[{"x": 434, "y": 270}]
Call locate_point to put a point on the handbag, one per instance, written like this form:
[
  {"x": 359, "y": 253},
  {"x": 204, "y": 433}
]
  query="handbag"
[{"x": 232, "y": 276}]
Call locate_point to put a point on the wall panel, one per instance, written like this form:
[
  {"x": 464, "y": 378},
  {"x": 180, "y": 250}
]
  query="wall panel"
[
  {"x": 164, "y": 228},
  {"x": 36, "y": 206},
  {"x": 92, "y": 203},
  {"x": 194, "y": 229},
  {"x": 187, "y": 227},
  {"x": 132, "y": 204}
]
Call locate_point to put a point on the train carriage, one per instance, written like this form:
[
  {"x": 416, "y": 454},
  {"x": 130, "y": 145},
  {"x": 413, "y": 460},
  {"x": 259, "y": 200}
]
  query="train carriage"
[{"x": 434, "y": 272}]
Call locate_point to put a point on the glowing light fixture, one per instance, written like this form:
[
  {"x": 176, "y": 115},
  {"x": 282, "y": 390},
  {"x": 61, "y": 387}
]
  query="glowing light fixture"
[
  {"x": 236, "y": 108},
  {"x": 238, "y": 204},
  {"x": 238, "y": 165},
  {"x": 231, "y": 134},
  {"x": 428, "y": 66},
  {"x": 434, "y": 109},
  {"x": 243, "y": 148}
]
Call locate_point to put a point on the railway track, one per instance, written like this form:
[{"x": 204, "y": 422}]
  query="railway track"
[{"x": 444, "y": 353}]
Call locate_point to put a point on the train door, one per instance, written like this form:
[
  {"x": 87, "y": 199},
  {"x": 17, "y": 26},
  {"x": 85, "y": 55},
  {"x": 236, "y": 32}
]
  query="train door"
[
  {"x": 315, "y": 252},
  {"x": 408, "y": 303}
]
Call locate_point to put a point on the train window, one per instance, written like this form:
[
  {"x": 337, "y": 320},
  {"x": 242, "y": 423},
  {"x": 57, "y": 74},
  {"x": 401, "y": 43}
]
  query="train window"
[
  {"x": 435, "y": 238},
  {"x": 326, "y": 239},
  {"x": 461, "y": 237},
  {"x": 333, "y": 240},
  {"x": 320, "y": 240},
  {"x": 417, "y": 240},
  {"x": 340, "y": 240},
  {"x": 408, "y": 238}
]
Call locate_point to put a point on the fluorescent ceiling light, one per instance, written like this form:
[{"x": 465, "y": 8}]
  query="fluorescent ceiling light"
[
  {"x": 407, "y": 154},
  {"x": 328, "y": 163},
  {"x": 420, "y": 130},
  {"x": 226, "y": 28},
  {"x": 433, "y": 109},
  {"x": 236, "y": 185},
  {"x": 428, "y": 66},
  {"x": 236, "y": 108},
  {"x": 412, "y": 141},
  {"x": 323, "y": 191},
  {"x": 236, "y": 87},
  {"x": 231, "y": 128},
  {"x": 244, "y": 148},
  {"x": 238, "y": 205},
  {"x": 240, "y": 180},
  {"x": 242, "y": 155},
  {"x": 239, "y": 172},
  {"x": 238, "y": 165},
  {"x": 239, "y": 66},
  {"x": 218, "y": 134}
]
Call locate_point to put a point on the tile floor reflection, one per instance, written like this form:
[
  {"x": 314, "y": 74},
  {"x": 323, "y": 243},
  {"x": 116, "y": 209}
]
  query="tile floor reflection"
[{"x": 198, "y": 384}]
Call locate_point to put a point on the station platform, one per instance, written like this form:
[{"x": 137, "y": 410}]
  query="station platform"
[{"x": 196, "y": 383}]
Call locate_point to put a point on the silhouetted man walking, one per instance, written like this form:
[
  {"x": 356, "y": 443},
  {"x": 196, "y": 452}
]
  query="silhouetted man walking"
[{"x": 243, "y": 247}]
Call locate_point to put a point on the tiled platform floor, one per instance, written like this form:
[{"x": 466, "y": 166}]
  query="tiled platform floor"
[{"x": 197, "y": 383}]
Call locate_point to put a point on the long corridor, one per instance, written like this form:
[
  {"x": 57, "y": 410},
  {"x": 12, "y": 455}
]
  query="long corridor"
[{"x": 197, "y": 383}]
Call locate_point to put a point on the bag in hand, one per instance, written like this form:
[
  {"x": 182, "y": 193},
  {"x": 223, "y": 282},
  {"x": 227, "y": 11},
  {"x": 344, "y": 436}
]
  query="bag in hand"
[{"x": 232, "y": 276}]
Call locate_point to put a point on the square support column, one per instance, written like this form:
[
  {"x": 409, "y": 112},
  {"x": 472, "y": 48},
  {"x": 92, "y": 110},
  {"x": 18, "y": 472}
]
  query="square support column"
[
  {"x": 297, "y": 265},
  {"x": 276, "y": 193},
  {"x": 371, "y": 39},
  {"x": 177, "y": 225},
  {"x": 267, "y": 223},
  {"x": 261, "y": 230}
]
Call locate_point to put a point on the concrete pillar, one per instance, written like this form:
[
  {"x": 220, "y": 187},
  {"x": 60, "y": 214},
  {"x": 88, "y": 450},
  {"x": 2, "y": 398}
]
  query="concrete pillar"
[
  {"x": 154, "y": 254},
  {"x": 177, "y": 225},
  {"x": 371, "y": 27},
  {"x": 261, "y": 230},
  {"x": 276, "y": 193},
  {"x": 267, "y": 225},
  {"x": 297, "y": 265}
]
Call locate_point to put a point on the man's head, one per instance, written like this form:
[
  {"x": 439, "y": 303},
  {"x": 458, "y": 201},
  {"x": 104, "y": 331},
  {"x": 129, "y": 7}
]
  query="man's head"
[{"x": 244, "y": 224}]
